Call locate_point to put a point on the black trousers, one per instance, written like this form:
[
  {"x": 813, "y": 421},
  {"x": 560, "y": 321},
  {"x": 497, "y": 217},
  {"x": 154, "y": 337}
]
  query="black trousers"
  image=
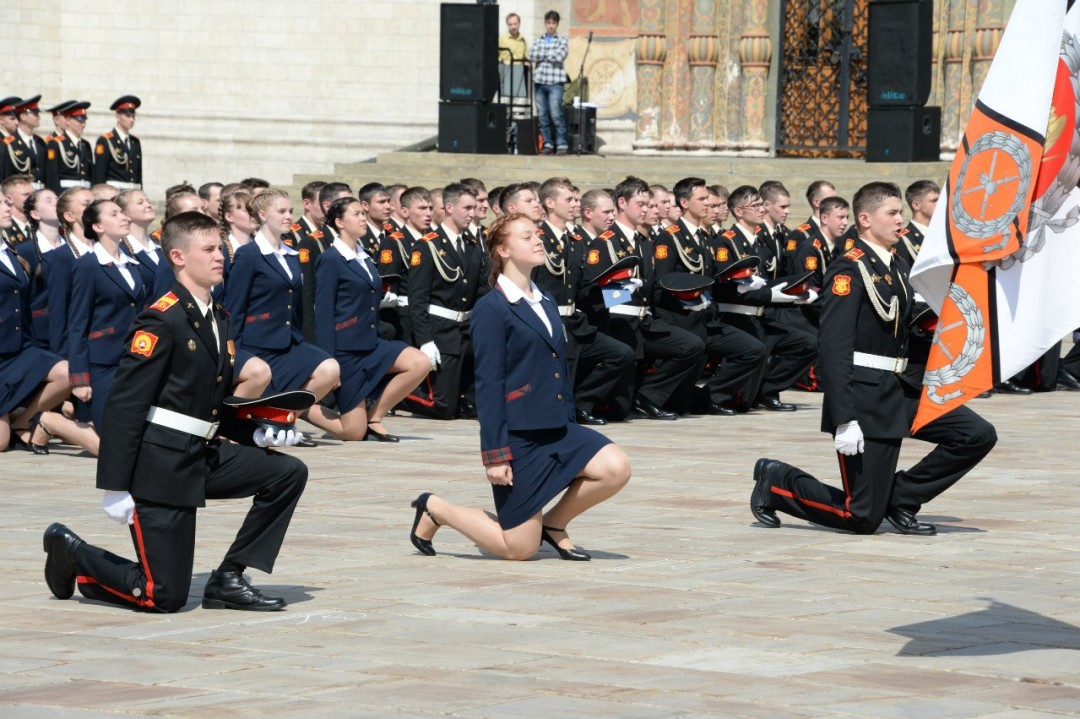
[
  {"x": 164, "y": 535},
  {"x": 439, "y": 395},
  {"x": 1071, "y": 361},
  {"x": 791, "y": 352},
  {"x": 1042, "y": 374},
  {"x": 870, "y": 483},
  {"x": 743, "y": 360},
  {"x": 599, "y": 367},
  {"x": 682, "y": 356}
]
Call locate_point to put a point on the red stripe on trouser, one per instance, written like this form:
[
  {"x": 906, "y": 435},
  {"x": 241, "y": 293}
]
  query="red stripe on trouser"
[
  {"x": 430, "y": 402},
  {"x": 847, "y": 489},
  {"x": 141, "y": 546},
  {"x": 110, "y": 590},
  {"x": 811, "y": 503}
]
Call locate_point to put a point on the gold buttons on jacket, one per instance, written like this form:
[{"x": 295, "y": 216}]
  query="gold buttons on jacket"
[
  {"x": 558, "y": 376},
  {"x": 558, "y": 397},
  {"x": 213, "y": 413}
]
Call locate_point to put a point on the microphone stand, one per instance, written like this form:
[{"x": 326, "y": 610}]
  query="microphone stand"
[{"x": 582, "y": 80}]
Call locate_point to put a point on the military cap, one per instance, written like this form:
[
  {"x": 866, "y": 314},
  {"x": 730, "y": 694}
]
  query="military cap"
[
  {"x": 127, "y": 103},
  {"x": 59, "y": 109},
  {"x": 9, "y": 105},
  {"x": 740, "y": 270}
]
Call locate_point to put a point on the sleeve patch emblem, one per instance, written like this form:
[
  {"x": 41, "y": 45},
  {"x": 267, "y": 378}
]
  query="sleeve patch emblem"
[
  {"x": 721, "y": 254},
  {"x": 841, "y": 285},
  {"x": 811, "y": 263},
  {"x": 791, "y": 245},
  {"x": 305, "y": 255},
  {"x": 661, "y": 252},
  {"x": 143, "y": 343},
  {"x": 414, "y": 258},
  {"x": 594, "y": 257},
  {"x": 100, "y": 149},
  {"x": 386, "y": 257}
]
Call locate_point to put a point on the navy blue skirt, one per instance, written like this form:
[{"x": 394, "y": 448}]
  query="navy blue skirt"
[
  {"x": 544, "y": 463},
  {"x": 21, "y": 374},
  {"x": 363, "y": 374},
  {"x": 291, "y": 368}
]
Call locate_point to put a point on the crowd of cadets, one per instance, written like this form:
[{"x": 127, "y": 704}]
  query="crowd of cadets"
[{"x": 688, "y": 300}]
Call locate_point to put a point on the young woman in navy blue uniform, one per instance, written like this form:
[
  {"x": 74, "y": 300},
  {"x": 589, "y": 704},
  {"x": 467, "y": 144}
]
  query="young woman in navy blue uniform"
[
  {"x": 531, "y": 446},
  {"x": 138, "y": 244},
  {"x": 106, "y": 295},
  {"x": 60, "y": 264},
  {"x": 262, "y": 295},
  {"x": 347, "y": 299},
  {"x": 30, "y": 377}
]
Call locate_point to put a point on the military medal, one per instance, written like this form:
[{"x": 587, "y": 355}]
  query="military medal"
[
  {"x": 875, "y": 278},
  {"x": 191, "y": 345}
]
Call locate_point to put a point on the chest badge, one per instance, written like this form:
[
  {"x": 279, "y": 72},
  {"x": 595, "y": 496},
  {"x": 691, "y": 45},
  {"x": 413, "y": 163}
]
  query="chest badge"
[{"x": 191, "y": 345}]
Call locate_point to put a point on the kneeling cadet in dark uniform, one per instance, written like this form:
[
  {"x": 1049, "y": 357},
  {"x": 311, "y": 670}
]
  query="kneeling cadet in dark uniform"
[
  {"x": 869, "y": 403},
  {"x": 160, "y": 459}
]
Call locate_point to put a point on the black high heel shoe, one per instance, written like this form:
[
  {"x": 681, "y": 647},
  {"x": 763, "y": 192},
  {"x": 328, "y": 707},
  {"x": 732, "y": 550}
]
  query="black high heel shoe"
[
  {"x": 574, "y": 555},
  {"x": 28, "y": 444},
  {"x": 423, "y": 545},
  {"x": 379, "y": 436}
]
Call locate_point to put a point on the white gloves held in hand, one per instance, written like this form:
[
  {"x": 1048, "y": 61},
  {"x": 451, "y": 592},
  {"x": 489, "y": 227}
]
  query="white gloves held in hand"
[
  {"x": 389, "y": 299},
  {"x": 849, "y": 438},
  {"x": 756, "y": 283},
  {"x": 778, "y": 296},
  {"x": 432, "y": 353},
  {"x": 811, "y": 295},
  {"x": 266, "y": 436},
  {"x": 119, "y": 506}
]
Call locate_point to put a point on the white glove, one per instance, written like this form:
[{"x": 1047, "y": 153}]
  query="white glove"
[
  {"x": 811, "y": 296},
  {"x": 267, "y": 436},
  {"x": 119, "y": 506},
  {"x": 388, "y": 300},
  {"x": 403, "y": 301},
  {"x": 432, "y": 353},
  {"x": 633, "y": 283},
  {"x": 778, "y": 296},
  {"x": 756, "y": 283},
  {"x": 849, "y": 438}
]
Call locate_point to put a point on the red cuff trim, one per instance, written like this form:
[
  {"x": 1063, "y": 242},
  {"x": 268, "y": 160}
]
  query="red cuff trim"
[
  {"x": 496, "y": 456},
  {"x": 79, "y": 379}
]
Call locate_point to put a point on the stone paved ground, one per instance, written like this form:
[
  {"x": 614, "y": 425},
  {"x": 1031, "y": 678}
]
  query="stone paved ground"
[{"x": 688, "y": 609}]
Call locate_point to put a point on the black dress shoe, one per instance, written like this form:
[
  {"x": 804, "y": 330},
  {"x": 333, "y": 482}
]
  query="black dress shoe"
[
  {"x": 229, "y": 590},
  {"x": 985, "y": 395},
  {"x": 379, "y": 436},
  {"x": 1066, "y": 380},
  {"x": 773, "y": 404},
  {"x": 466, "y": 410},
  {"x": 573, "y": 555},
  {"x": 584, "y": 417},
  {"x": 650, "y": 410},
  {"x": 759, "y": 498},
  {"x": 721, "y": 410},
  {"x": 424, "y": 545},
  {"x": 905, "y": 523},
  {"x": 60, "y": 545},
  {"x": 1010, "y": 387}
]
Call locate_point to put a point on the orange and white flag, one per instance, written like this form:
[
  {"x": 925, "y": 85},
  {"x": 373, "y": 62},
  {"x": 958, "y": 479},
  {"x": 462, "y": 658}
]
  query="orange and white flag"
[{"x": 1001, "y": 262}]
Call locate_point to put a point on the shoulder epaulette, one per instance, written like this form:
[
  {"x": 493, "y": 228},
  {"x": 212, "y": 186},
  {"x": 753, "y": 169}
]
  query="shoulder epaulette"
[
  {"x": 295, "y": 227},
  {"x": 165, "y": 302},
  {"x": 396, "y": 235},
  {"x": 540, "y": 231},
  {"x": 606, "y": 235},
  {"x": 672, "y": 230},
  {"x": 854, "y": 253},
  {"x": 576, "y": 237},
  {"x": 905, "y": 231},
  {"x": 9, "y": 139},
  {"x": 108, "y": 136},
  {"x": 316, "y": 235},
  {"x": 803, "y": 227},
  {"x": 388, "y": 225},
  {"x": 728, "y": 235},
  {"x": 430, "y": 236},
  {"x": 156, "y": 235},
  {"x": 817, "y": 244}
]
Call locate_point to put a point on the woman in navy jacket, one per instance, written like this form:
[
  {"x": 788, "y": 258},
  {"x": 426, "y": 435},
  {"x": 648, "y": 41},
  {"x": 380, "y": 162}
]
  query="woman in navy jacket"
[
  {"x": 107, "y": 294},
  {"x": 262, "y": 295},
  {"x": 531, "y": 446},
  {"x": 347, "y": 298},
  {"x": 139, "y": 245}
]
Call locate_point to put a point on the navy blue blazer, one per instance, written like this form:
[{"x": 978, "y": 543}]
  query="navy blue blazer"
[
  {"x": 59, "y": 266},
  {"x": 346, "y": 304},
  {"x": 15, "y": 332},
  {"x": 103, "y": 306},
  {"x": 522, "y": 378},
  {"x": 39, "y": 292},
  {"x": 148, "y": 269},
  {"x": 263, "y": 302}
]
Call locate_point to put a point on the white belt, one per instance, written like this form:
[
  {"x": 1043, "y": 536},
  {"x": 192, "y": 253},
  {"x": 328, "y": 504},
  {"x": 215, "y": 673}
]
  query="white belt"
[
  {"x": 749, "y": 310},
  {"x": 889, "y": 364},
  {"x": 630, "y": 311},
  {"x": 448, "y": 314},
  {"x": 75, "y": 183},
  {"x": 124, "y": 185},
  {"x": 182, "y": 423},
  {"x": 566, "y": 310}
]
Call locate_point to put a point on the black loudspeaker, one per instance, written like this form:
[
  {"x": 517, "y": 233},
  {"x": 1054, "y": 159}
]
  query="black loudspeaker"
[
  {"x": 469, "y": 53},
  {"x": 576, "y": 119},
  {"x": 472, "y": 127},
  {"x": 903, "y": 134},
  {"x": 899, "y": 53},
  {"x": 525, "y": 136}
]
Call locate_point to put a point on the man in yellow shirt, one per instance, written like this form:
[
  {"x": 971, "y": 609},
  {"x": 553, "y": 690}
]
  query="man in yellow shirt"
[{"x": 511, "y": 43}]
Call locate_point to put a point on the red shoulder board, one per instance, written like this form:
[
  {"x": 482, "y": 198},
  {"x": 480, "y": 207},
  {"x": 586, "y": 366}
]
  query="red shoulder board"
[
  {"x": 803, "y": 227},
  {"x": 672, "y": 230},
  {"x": 817, "y": 244},
  {"x": 540, "y": 230},
  {"x": 854, "y": 253},
  {"x": 388, "y": 225},
  {"x": 904, "y": 231},
  {"x": 287, "y": 241},
  {"x": 295, "y": 227},
  {"x": 108, "y": 136},
  {"x": 576, "y": 237},
  {"x": 156, "y": 234},
  {"x": 9, "y": 139},
  {"x": 607, "y": 235},
  {"x": 316, "y": 235},
  {"x": 430, "y": 236},
  {"x": 396, "y": 235},
  {"x": 165, "y": 302},
  {"x": 728, "y": 235}
]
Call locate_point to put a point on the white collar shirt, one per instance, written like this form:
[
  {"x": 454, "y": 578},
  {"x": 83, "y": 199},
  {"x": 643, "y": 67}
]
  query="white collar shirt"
[
  {"x": 358, "y": 256},
  {"x": 514, "y": 294},
  {"x": 267, "y": 249},
  {"x": 104, "y": 258}
]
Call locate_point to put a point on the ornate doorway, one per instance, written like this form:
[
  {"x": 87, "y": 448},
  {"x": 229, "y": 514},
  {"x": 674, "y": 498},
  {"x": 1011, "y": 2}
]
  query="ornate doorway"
[{"x": 821, "y": 103}]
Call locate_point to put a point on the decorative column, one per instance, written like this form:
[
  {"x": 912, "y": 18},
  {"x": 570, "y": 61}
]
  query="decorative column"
[
  {"x": 729, "y": 79},
  {"x": 989, "y": 27},
  {"x": 651, "y": 54},
  {"x": 703, "y": 52},
  {"x": 755, "y": 53},
  {"x": 954, "y": 78}
]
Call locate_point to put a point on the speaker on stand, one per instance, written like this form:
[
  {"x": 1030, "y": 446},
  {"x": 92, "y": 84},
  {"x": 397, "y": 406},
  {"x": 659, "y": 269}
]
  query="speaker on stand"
[{"x": 469, "y": 79}]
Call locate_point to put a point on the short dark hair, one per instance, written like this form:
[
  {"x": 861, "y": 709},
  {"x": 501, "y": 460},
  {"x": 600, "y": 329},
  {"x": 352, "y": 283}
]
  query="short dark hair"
[
  {"x": 453, "y": 192},
  {"x": 740, "y": 195},
  {"x": 495, "y": 196},
  {"x": 477, "y": 186},
  {"x": 184, "y": 188},
  {"x": 590, "y": 199},
  {"x": 337, "y": 210},
  {"x": 510, "y": 194},
  {"x": 551, "y": 186},
  {"x": 330, "y": 190},
  {"x": 920, "y": 189},
  {"x": 685, "y": 187},
  {"x": 771, "y": 190},
  {"x": 832, "y": 204},
  {"x": 368, "y": 192},
  {"x": 178, "y": 231},
  {"x": 255, "y": 183},
  {"x": 870, "y": 196},
  {"x": 721, "y": 191},
  {"x": 311, "y": 190},
  {"x": 813, "y": 191},
  {"x": 630, "y": 187},
  {"x": 206, "y": 187},
  {"x": 415, "y": 194},
  {"x": 552, "y": 15}
]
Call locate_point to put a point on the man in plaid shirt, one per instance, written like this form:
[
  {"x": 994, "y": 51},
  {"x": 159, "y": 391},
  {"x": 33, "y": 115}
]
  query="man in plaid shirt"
[{"x": 547, "y": 56}]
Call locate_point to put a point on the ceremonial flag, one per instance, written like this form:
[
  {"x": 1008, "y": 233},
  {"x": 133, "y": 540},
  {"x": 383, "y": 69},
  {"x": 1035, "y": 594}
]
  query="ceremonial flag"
[{"x": 1001, "y": 262}]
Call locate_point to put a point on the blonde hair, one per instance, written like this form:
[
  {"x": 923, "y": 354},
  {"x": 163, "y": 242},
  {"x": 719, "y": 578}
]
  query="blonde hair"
[{"x": 262, "y": 201}]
